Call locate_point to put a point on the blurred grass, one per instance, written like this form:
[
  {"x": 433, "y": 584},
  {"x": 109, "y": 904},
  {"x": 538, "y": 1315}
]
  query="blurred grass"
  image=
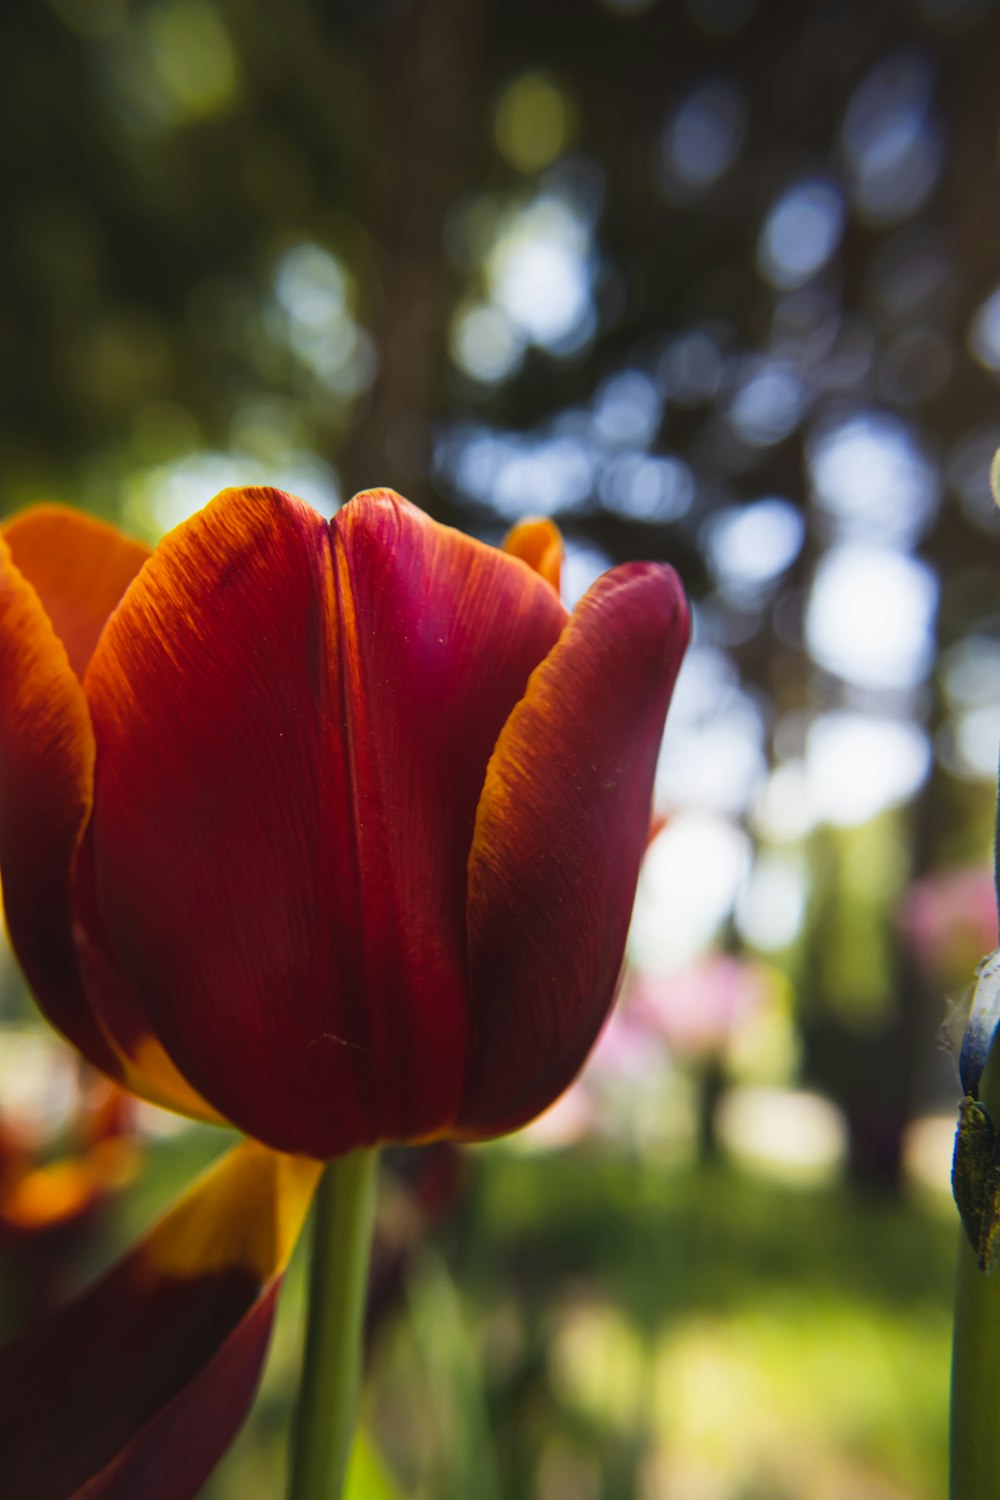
[{"x": 595, "y": 1324}]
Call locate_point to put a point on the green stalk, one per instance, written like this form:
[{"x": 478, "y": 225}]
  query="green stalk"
[
  {"x": 338, "y": 1278},
  {"x": 975, "y": 1370}
]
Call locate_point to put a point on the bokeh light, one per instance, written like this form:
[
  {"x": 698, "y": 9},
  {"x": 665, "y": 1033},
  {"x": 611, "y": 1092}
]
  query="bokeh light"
[
  {"x": 891, "y": 140},
  {"x": 533, "y": 123},
  {"x": 702, "y": 138},
  {"x": 800, "y": 234},
  {"x": 872, "y": 479},
  {"x": 871, "y": 616}
]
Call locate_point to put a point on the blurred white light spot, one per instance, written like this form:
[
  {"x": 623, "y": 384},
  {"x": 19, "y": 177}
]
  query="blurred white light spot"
[
  {"x": 165, "y": 496},
  {"x": 308, "y": 477},
  {"x": 977, "y": 742},
  {"x": 970, "y": 672},
  {"x": 783, "y": 813},
  {"x": 872, "y": 478},
  {"x": 471, "y": 459},
  {"x": 772, "y": 904},
  {"x": 768, "y": 403},
  {"x": 929, "y": 1148},
  {"x": 984, "y": 334},
  {"x": 627, "y": 409},
  {"x": 311, "y": 289},
  {"x": 892, "y": 145},
  {"x": 713, "y": 757},
  {"x": 707, "y": 682},
  {"x": 180, "y": 489},
  {"x": 540, "y": 273},
  {"x": 310, "y": 285},
  {"x": 545, "y": 477},
  {"x": 858, "y": 765},
  {"x": 486, "y": 345},
  {"x": 39, "y": 1084},
  {"x": 789, "y": 1135},
  {"x": 516, "y": 475},
  {"x": 702, "y": 138},
  {"x": 655, "y": 490},
  {"x": 582, "y": 566},
  {"x": 870, "y": 616},
  {"x": 687, "y": 889},
  {"x": 751, "y": 545},
  {"x": 800, "y": 234}
]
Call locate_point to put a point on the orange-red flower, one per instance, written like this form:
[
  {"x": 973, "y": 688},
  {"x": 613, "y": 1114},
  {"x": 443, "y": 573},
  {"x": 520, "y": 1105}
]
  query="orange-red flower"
[
  {"x": 327, "y": 829},
  {"x": 331, "y": 829}
]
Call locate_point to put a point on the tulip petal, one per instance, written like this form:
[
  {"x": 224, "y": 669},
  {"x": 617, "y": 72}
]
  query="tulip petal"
[
  {"x": 219, "y": 823},
  {"x": 141, "y": 1064},
  {"x": 560, "y": 831},
  {"x": 441, "y": 634},
  {"x": 538, "y": 542},
  {"x": 139, "y": 1386},
  {"x": 293, "y": 723},
  {"x": 46, "y": 775},
  {"x": 78, "y": 566}
]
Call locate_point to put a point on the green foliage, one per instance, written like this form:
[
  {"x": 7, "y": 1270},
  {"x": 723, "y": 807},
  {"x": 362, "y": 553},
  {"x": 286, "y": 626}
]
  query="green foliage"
[{"x": 610, "y": 1319}]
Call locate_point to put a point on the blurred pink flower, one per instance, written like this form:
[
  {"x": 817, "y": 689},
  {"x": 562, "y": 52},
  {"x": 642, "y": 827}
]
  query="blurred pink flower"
[
  {"x": 697, "y": 1010},
  {"x": 949, "y": 920}
]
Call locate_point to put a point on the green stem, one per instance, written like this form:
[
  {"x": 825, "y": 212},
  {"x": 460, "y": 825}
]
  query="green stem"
[
  {"x": 975, "y": 1369},
  {"x": 338, "y": 1277}
]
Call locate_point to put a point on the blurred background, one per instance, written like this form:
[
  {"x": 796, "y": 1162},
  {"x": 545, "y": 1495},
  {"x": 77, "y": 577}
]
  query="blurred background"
[{"x": 713, "y": 281}]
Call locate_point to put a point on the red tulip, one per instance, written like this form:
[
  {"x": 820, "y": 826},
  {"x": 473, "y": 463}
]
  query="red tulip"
[
  {"x": 330, "y": 830},
  {"x": 333, "y": 826}
]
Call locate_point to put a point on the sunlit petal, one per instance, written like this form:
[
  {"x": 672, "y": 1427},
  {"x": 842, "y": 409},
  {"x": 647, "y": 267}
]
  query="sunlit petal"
[
  {"x": 78, "y": 566},
  {"x": 538, "y": 543},
  {"x": 560, "y": 831},
  {"x": 46, "y": 774}
]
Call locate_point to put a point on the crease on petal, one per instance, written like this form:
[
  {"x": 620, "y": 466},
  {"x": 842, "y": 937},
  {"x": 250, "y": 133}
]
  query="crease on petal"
[
  {"x": 561, "y": 828},
  {"x": 538, "y": 542},
  {"x": 139, "y": 1386},
  {"x": 78, "y": 566},
  {"x": 439, "y": 635}
]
